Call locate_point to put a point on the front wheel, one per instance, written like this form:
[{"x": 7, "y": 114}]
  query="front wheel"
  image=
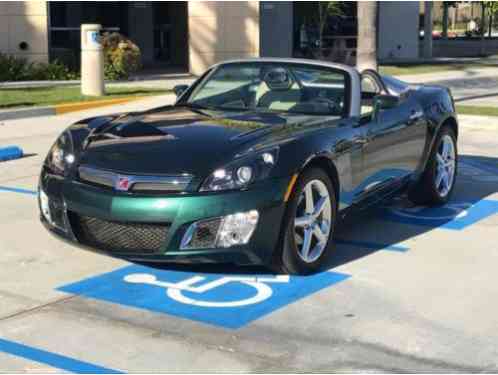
[
  {"x": 308, "y": 224},
  {"x": 438, "y": 180}
]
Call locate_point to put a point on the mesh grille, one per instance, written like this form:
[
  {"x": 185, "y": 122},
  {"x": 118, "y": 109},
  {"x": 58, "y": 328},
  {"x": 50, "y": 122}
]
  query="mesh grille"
[
  {"x": 204, "y": 235},
  {"x": 57, "y": 214},
  {"x": 119, "y": 237}
]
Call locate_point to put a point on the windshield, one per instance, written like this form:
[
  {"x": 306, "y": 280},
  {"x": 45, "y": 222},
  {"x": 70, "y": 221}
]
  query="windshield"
[{"x": 277, "y": 87}]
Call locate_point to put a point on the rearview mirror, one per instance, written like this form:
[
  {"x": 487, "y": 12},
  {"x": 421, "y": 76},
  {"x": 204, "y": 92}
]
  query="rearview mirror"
[
  {"x": 382, "y": 102},
  {"x": 180, "y": 89}
]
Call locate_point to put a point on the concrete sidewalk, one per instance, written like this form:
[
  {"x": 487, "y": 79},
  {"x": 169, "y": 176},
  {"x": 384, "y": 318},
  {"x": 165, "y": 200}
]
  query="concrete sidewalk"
[{"x": 475, "y": 86}]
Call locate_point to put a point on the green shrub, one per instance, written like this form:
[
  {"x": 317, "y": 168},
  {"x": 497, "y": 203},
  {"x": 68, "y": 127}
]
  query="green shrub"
[
  {"x": 14, "y": 68},
  {"x": 122, "y": 57},
  {"x": 54, "y": 71}
]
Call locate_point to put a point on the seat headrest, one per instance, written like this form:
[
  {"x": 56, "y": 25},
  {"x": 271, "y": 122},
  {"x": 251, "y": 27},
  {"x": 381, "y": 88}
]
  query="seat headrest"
[{"x": 278, "y": 79}]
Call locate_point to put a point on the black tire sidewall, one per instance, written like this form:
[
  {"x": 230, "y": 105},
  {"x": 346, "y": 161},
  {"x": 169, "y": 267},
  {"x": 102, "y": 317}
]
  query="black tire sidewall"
[
  {"x": 432, "y": 170},
  {"x": 291, "y": 261}
]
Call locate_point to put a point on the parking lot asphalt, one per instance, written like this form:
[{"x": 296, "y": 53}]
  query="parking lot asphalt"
[{"x": 408, "y": 289}]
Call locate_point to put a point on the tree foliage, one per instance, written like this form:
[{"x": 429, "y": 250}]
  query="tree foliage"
[{"x": 325, "y": 10}]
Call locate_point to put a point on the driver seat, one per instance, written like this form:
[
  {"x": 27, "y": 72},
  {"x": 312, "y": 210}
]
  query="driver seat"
[{"x": 277, "y": 100}]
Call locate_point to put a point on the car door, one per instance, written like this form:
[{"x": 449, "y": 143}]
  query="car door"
[{"x": 392, "y": 146}]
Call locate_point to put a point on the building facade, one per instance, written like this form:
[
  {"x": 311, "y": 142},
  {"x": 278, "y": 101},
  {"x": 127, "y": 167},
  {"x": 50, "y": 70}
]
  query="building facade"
[
  {"x": 24, "y": 29},
  {"x": 190, "y": 36}
]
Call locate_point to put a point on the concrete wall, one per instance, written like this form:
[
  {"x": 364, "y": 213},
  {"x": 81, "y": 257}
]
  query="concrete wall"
[
  {"x": 221, "y": 30},
  {"x": 398, "y": 29},
  {"x": 24, "y": 22}
]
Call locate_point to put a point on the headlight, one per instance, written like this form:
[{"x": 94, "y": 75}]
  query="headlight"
[
  {"x": 61, "y": 154},
  {"x": 242, "y": 172}
]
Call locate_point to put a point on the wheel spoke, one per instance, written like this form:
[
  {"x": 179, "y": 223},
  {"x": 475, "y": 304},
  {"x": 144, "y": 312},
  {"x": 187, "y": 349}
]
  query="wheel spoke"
[
  {"x": 305, "y": 249},
  {"x": 298, "y": 238},
  {"x": 446, "y": 181},
  {"x": 440, "y": 159},
  {"x": 446, "y": 150},
  {"x": 308, "y": 193},
  {"x": 439, "y": 177},
  {"x": 319, "y": 234},
  {"x": 325, "y": 227},
  {"x": 320, "y": 205},
  {"x": 301, "y": 221}
]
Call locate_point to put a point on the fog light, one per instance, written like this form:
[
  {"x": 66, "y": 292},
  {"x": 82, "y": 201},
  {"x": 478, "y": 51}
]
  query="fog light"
[
  {"x": 45, "y": 206},
  {"x": 227, "y": 231},
  {"x": 237, "y": 229},
  {"x": 201, "y": 234}
]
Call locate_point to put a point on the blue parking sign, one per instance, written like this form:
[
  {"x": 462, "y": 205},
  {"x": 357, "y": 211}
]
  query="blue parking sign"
[{"x": 229, "y": 301}]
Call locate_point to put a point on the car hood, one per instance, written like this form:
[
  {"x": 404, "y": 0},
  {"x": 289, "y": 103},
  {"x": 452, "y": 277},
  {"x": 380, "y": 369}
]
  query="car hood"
[{"x": 179, "y": 140}]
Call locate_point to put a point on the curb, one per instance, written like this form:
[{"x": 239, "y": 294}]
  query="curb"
[
  {"x": 60, "y": 109},
  {"x": 10, "y": 153},
  {"x": 79, "y": 106}
]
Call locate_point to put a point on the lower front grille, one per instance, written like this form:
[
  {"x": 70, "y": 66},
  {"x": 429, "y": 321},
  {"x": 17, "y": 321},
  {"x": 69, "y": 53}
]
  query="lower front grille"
[{"x": 119, "y": 237}]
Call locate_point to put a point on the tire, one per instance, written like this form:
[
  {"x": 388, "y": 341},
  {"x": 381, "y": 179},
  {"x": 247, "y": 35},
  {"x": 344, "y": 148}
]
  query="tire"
[
  {"x": 426, "y": 191},
  {"x": 290, "y": 258}
]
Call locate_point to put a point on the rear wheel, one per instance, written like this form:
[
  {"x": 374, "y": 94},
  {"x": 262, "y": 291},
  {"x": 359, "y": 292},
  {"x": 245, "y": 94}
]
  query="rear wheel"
[
  {"x": 308, "y": 224},
  {"x": 438, "y": 180}
]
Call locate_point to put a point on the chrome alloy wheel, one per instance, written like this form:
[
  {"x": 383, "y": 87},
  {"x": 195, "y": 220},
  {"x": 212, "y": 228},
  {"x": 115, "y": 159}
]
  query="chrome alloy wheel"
[
  {"x": 313, "y": 221},
  {"x": 445, "y": 166}
]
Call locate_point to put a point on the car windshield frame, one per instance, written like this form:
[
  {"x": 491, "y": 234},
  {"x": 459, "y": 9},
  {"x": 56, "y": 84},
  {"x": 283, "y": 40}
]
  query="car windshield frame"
[{"x": 190, "y": 100}]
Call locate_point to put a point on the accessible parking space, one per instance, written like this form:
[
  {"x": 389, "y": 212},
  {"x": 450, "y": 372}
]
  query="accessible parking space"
[{"x": 408, "y": 288}]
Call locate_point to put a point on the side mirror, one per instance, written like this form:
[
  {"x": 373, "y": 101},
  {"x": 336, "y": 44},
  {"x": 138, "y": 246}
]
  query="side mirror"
[
  {"x": 382, "y": 102},
  {"x": 180, "y": 89}
]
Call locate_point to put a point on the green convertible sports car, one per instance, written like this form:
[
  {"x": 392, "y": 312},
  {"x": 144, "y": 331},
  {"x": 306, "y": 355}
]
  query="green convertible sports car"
[{"x": 253, "y": 164}]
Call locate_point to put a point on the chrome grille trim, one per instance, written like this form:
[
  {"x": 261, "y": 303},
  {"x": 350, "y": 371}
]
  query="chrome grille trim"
[
  {"x": 137, "y": 183},
  {"x": 97, "y": 176}
]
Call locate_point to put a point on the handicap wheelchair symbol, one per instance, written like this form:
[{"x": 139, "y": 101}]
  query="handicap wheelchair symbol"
[
  {"x": 451, "y": 211},
  {"x": 225, "y": 300},
  {"x": 453, "y": 216},
  {"x": 195, "y": 285}
]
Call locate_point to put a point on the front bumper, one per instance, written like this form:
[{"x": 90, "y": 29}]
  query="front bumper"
[{"x": 177, "y": 211}]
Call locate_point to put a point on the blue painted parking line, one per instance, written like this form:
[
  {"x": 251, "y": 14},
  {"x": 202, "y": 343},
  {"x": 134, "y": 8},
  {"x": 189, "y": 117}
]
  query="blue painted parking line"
[
  {"x": 372, "y": 245},
  {"x": 52, "y": 359},
  {"x": 454, "y": 215},
  {"x": 487, "y": 167},
  {"x": 18, "y": 190},
  {"x": 229, "y": 301}
]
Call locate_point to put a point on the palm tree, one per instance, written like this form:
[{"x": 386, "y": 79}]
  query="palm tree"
[{"x": 366, "y": 55}]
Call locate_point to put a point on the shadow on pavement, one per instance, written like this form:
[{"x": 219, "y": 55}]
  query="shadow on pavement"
[
  {"x": 476, "y": 181},
  {"x": 364, "y": 232}
]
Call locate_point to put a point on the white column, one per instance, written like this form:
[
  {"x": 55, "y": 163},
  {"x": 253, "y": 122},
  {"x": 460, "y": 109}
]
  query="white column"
[{"x": 92, "y": 61}]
